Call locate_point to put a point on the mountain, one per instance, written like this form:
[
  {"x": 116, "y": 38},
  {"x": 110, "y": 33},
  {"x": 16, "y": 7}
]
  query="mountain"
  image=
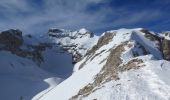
[
  {"x": 76, "y": 42},
  {"x": 30, "y": 64},
  {"x": 123, "y": 64}
]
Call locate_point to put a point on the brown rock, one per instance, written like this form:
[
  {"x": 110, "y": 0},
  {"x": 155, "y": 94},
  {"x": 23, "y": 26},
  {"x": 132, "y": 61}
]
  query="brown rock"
[
  {"x": 11, "y": 38},
  {"x": 166, "y": 49}
]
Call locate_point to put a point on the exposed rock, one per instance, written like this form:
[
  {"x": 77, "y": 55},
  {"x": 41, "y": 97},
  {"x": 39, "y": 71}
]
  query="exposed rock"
[
  {"x": 111, "y": 67},
  {"x": 71, "y": 42},
  {"x": 110, "y": 71},
  {"x": 105, "y": 39},
  {"x": 163, "y": 43},
  {"x": 132, "y": 64},
  {"x": 166, "y": 49},
  {"x": 166, "y": 45},
  {"x": 54, "y": 30},
  {"x": 150, "y": 36},
  {"x": 11, "y": 39},
  {"x": 76, "y": 57}
]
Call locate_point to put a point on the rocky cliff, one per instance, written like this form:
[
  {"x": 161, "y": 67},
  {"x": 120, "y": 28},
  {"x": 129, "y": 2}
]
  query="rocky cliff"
[{"x": 75, "y": 42}]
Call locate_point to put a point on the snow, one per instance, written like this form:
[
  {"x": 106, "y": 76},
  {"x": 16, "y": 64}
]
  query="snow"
[
  {"x": 21, "y": 78},
  {"x": 149, "y": 45},
  {"x": 147, "y": 83},
  {"x": 52, "y": 82},
  {"x": 81, "y": 78},
  {"x": 80, "y": 39},
  {"x": 76, "y": 81},
  {"x": 150, "y": 82},
  {"x": 57, "y": 78},
  {"x": 83, "y": 30},
  {"x": 58, "y": 62}
]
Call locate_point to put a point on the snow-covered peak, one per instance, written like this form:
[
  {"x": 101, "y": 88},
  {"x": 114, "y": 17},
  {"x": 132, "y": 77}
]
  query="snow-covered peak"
[
  {"x": 75, "y": 42},
  {"x": 123, "y": 64},
  {"x": 118, "y": 65},
  {"x": 83, "y": 30}
]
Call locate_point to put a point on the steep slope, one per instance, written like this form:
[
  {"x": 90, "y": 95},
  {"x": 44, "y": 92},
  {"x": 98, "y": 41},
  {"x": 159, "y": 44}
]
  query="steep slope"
[
  {"x": 123, "y": 64},
  {"x": 36, "y": 64},
  {"x": 30, "y": 65},
  {"x": 21, "y": 78},
  {"x": 75, "y": 42},
  {"x": 120, "y": 64}
]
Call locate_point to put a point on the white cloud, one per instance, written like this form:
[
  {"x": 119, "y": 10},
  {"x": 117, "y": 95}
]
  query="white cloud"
[{"x": 31, "y": 17}]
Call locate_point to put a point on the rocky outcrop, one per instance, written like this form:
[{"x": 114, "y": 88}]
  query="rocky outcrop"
[
  {"x": 149, "y": 35},
  {"x": 73, "y": 42},
  {"x": 163, "y": 42},
  {"x": 109, "y": 71},
  {"x": 11, "y": 39},
  {"x": 105, "y": 39},
  {"x": 54, "y": 30},
  {"x": 166, "y": 45},
  {"x": 166, "y": 49}
]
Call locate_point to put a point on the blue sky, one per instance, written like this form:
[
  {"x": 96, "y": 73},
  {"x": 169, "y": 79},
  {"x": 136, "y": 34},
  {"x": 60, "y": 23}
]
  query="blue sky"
[{"x": 37, "y": 16}]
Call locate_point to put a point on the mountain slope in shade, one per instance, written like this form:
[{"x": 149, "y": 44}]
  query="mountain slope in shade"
[
  {"x": 22, "y": 78},
  {"x": 31, "y": 64},
  {"x": 125, "y": 64},
  {"x": 21, "y": 74}
]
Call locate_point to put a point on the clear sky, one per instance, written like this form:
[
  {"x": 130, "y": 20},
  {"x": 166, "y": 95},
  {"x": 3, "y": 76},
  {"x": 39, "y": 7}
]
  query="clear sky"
[{"x": 37, "y": 16}]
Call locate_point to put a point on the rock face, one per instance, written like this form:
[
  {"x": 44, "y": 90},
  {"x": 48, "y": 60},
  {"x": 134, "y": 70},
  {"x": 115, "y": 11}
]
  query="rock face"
[
  {"x": 11, "y": 39},
  {"x": 163, "y": 42},
  {"x": 54, "y": 30},
  {"x": 166, "y": 49},
  {"x": 166, "y": 45},
  {"x": 75, "y": 42},
  {"x": 150, "y": 35}
]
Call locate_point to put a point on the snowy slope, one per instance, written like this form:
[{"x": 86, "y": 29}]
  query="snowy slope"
[
  {"x": 123, "y": 65},
  {"x": 21, "y": 78},
  {"x": 34, "y": 67},
  {"x": 148, "y": 83},
  {"x": 39, "y": 64}
]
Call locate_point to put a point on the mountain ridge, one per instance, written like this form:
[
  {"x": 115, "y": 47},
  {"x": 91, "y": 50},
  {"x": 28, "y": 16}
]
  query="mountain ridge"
[
  {"x": 79, "y": 65},
  {"x": 116, "y": 52}
]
